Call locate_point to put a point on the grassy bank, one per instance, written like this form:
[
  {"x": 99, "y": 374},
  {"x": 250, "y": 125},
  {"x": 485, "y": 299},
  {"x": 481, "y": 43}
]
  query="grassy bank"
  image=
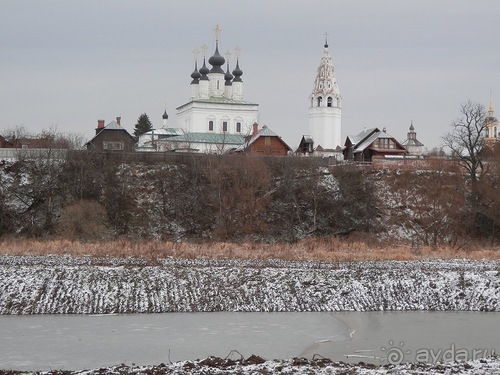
[{"x": 317, "y": 249}]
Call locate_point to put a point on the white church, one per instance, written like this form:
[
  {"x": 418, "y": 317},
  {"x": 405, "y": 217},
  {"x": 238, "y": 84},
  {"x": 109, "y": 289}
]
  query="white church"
[{"x": 216, "y": 118}]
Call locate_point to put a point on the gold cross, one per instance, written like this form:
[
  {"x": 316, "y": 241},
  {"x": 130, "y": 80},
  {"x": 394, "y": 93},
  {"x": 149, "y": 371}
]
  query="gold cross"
[
  {"x": 228, "y": 56},
  {"x": 204, "y": 49},
  {"x": 326, "y": 38},
  {"x": 238, "y": 50},
  {"x": 217, "y": 31},
  {"x": 195, "y": 53}
]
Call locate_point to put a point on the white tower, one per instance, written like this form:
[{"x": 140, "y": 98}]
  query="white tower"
[{"x": 325, "y": 112}]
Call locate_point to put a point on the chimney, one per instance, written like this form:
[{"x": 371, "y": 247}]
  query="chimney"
[
  {"x": 118, "y": 119},
  {"x": 100, "y": 126},
  {"x": 255, "y": 128}
]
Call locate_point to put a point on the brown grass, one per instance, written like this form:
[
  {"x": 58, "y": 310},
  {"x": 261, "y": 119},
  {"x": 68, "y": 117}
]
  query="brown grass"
[{"x": 317, "y": 249}]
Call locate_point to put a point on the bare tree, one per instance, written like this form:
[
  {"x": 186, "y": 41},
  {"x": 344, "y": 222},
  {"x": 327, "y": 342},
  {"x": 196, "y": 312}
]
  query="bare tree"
[
  {"x": 465, "y": 140},
  {"x": 467, "y": 146}
]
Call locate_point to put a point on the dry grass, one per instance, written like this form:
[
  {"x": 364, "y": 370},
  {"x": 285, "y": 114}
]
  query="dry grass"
[{"x": 322, "y": 249}]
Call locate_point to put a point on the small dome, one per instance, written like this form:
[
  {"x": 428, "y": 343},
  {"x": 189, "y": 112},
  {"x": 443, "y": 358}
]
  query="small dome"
[
  {"x": 228, "y": 76},
  {"x": 196, "y": 75},
  {"x": 216, "y": 61},
  {"x": 204, "y": 71},
  {"x": 237, "y": 73},
  {"x": 411, "y": 127},
  {"x": 165, "y": 116}
]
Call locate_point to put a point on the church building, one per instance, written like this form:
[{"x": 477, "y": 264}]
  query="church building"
[
  {"x": 325, "y": 110},
  {"x": 412, "y": 144},
  {"x": 492, "y": 127},
  {"x": 216, "y": 105}
]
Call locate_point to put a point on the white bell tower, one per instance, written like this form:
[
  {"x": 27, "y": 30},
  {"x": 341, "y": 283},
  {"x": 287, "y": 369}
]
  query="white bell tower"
[{"x": 325, "y": 105}]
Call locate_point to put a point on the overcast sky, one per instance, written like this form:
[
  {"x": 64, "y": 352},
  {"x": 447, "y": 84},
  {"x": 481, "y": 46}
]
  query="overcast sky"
[{"x": 69, "y": 63}]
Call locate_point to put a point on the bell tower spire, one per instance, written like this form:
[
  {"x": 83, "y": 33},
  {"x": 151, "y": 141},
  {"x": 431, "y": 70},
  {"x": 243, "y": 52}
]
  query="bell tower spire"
[{"x": 325, "y": 105}]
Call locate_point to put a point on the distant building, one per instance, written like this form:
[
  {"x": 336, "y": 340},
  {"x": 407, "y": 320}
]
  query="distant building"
[
  {"x": 412, "y": 144},
  {"x": 112, "y": 137},
  {"x": 492, "y": 128},
  {"x": 154, "y": 139},
  {"x": 216, "y": 105},
  {"x": 306, "y": 146},
  {"x": 4, "y": 143},
  {"x": 369, "y": 143},
  {"x": 264, "y": 142},
  {"x": 325, "y": 109}
]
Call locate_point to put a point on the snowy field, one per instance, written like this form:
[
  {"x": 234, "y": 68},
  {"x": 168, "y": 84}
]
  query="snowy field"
[{"x": 65, "y": 285}]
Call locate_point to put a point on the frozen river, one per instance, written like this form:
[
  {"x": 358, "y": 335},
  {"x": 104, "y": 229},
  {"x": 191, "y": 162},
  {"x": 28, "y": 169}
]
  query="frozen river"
[{"x": 72, "y": 342}]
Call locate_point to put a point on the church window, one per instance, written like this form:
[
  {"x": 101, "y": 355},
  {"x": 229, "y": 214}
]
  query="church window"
[
  {"x": 320, "y": 99},
  {"x": 211, "y": 126},
  {"x": 267, "y": 141},
  {"x": 238, "y": 127},
  {"x": 330, "y": 101},
  {"x": 224, "y": 126},
  {"x": 495, "y": 131},
  {"x": 217, "y": 85}
]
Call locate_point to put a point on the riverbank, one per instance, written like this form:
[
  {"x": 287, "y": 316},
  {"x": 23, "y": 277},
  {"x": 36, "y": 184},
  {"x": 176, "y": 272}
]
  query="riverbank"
[
  {"x": 93, "y": 285},
  {"x": 299, "y": 366}
]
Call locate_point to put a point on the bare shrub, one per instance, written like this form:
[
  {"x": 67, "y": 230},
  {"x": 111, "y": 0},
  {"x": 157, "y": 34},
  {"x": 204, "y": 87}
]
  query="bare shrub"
[{"x": 83, "y": 221}]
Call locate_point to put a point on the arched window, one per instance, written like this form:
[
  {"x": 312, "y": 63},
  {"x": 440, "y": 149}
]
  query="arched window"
[
  {"x": 329, "y": 102},
  {"x": 224, "y": 126},
  {"x": 211, "y": 126},
  {"x": 320, "y": 99},
  {"x": 238, "y": 127}
]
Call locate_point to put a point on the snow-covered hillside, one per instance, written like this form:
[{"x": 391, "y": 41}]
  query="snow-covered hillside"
[{"x": 42, "y": 285}]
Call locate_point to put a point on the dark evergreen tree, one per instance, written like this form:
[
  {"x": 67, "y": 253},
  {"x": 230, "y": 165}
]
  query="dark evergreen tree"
[{"x": 143, "y": 125}]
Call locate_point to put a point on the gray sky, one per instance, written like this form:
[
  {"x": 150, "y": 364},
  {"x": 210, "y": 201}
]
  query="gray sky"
[{"x": 69, "y": 63}]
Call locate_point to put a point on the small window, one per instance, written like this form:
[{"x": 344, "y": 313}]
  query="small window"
[
  {"x": 211, "y": 126},
  {"x": 224, "y": 126},
  {"x": 238, "y": 127},
  {"x": 267, "y": 141},
  {"x": 330, "y": 101},
  {"x": 320, "y": 99}
]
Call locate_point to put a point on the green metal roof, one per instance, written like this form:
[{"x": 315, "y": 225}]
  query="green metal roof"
[{"x": 231, "y": 139}]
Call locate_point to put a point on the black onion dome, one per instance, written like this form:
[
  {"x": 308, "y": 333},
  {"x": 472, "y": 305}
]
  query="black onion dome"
[
  {"x": 204, "y": 71},
  {"x": 411, "y": 127},
  {"x": 216, "y": 60},
  {"x": 228, "y": 76},
  {"x": 196, "y": 75},
  {"x": 165, "y": 116},
  {"x": 237, "y": 73}
]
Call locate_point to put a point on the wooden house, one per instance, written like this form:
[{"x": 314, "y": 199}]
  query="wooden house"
[
  {"x": 371, "y": 142},
  {"x": 112, "y": 137},
  {"x": 264, "y": 142}
]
